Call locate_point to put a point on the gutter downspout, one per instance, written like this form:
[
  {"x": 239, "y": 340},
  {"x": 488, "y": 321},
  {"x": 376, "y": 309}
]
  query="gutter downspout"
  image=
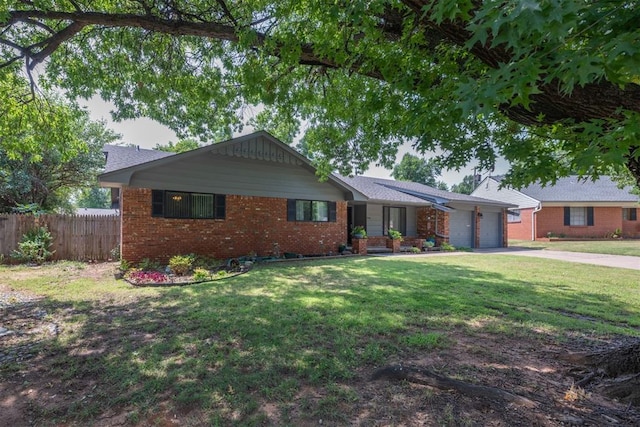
[{"x": 533, "y": 221}]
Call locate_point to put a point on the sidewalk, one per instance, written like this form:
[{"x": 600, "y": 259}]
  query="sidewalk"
[{"x": 618, "y": 261}]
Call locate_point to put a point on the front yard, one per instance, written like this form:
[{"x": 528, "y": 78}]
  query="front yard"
[{"x": 298, "y": 344}]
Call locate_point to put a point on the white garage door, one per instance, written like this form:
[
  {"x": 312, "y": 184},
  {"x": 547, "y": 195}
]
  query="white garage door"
[
  {"x": 491, "y": 230},
  {"x": 461, "y": 228}
]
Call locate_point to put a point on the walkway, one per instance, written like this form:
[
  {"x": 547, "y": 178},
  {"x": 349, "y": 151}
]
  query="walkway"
[{"x": 619, "y": 261}]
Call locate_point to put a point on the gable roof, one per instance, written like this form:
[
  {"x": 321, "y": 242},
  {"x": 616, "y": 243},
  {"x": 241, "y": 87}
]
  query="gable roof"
[
  {"x": 574, "y": 189},
  {"x": 391, "y": 191},
  {"x": 124, "y": 162}
]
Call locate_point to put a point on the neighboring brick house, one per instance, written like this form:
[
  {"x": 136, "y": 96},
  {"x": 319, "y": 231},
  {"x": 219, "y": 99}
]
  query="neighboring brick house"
[
  {"x": 254, "y": 194},
  {"x": 571, "y": 208}
]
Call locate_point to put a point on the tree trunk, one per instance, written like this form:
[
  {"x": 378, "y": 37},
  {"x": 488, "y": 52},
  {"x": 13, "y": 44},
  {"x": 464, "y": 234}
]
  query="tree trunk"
[{"x": 619, "y": 368}]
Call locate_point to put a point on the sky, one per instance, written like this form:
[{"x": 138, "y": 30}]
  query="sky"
[{"x": 147, "y": 133}]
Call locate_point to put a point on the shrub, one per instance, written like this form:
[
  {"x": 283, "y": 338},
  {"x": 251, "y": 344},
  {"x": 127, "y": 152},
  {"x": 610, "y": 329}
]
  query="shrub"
[
  {"x": 147, "y": 265},
  {"x": 34, "y": 246},
  {"x": 201, "y": 274},
  {"x": 447, "y": 247},
  {"x": 205, "y": 262},
  {"x": 181, "y": 264},
  {"x": 125, "y": 265},
  {"x": 115, "y": 253},
  {"x": 415, "y": 250}
]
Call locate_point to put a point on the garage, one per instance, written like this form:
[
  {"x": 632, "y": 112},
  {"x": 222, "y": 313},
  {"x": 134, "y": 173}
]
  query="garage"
[
  {"x": 461, "y": 228},
  {"x": 491, "y": 230}
]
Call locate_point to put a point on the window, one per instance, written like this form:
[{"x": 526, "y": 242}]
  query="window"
[
  {"x": 178, "y": 204},
  {"x": 629, "y": 214},
  {"x": 513, "y": 215},
  {"x": 578, "y": 216},
  {"x": 395, "y": 218},
  {"x": 311, "y": 210}
]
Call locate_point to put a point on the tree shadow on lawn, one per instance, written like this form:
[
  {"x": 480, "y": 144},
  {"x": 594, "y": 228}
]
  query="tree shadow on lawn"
[{"x": 282, "y": 344}]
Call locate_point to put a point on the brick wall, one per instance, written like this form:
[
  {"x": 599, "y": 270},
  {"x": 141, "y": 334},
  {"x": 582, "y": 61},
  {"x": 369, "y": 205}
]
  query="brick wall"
[
  {"x": 605, "y": 221},
  {"x": 426, "y": 218},
  {"x": 631, "y": 228},
  {"x": 252, "y": 224},
  {"x": 522, "y": 230}
]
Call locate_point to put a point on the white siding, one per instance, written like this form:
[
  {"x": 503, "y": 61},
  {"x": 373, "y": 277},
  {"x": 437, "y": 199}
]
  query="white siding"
[
  {"x": 374, "y": 220},
  {"x": 488, "y": 189}
]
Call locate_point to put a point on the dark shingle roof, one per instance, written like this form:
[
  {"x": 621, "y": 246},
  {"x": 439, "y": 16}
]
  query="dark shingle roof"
[
  {"x": 406, "y": 191},
  {"x": 573, "y": 189},
  {"x": 120, "y": 157}
]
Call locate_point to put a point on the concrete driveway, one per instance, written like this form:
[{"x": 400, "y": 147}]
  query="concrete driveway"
[{"x": 619, "y": 261}]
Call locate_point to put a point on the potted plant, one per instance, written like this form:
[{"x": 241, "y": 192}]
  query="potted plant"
[
  {"x": 395, "y": 237},
  {"x": 341, "y": 248},
  {"x": 394, "y": 234},
  {"x": 427, "y": 245},
  {"x": 359, "y": 232}
]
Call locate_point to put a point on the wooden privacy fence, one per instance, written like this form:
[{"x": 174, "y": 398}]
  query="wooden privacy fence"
[{"x": 75, "y": 237}]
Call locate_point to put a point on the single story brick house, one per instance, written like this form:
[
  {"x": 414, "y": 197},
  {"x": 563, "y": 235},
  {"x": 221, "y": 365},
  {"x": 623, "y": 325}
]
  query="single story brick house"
[
  {"x": 571, "y": 208},
  {"x": 419, "y": 211},
  {"x": 255, "y": 194}
]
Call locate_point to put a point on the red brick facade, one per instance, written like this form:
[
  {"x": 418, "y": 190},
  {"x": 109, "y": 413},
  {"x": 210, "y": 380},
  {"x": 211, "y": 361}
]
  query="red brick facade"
[
  {"x": 605, "y": 221},
  {"x": 252, "y": 224},
  {"x": 522, "y": 230},
  {"x": 426, "y": 223}
]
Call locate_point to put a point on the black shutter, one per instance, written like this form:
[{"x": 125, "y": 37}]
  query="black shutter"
[
  {"x": 220, "y": 206},
  {"x": 157, "y": 203},
  {"x": 567, "y": 215},
  {"x": 590, "y": 216},
  {"x": 633, "y": 215},
  {"x": 291, "y": 209},
  {"x": 332, "y": 212}
]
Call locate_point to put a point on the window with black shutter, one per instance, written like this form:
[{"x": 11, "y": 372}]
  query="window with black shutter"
[{"x": 578, "y": 216}]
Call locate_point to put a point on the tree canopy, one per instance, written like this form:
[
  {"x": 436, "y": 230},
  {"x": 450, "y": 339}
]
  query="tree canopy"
[
  {"x": 178, "y": 147},
  {"x": 466, "y": 186},
  {"x": 48, "y": 148},
  {"x": 413, "y": 168},
  {"x": 551, "y": 86}
]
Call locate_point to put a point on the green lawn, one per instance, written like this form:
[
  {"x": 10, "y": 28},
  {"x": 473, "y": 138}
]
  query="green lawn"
[
  {"x": 613, "y": 247},
  {"x": 227, "y": 347}
]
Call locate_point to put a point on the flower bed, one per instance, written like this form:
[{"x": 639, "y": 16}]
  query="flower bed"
[{"x": 158, "y": 276}]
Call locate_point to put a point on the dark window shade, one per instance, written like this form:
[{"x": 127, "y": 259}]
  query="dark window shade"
[
  {"x": 177, "y": 204},
  {"x": 332, "y": 211},
  {"x": 590, "y": 216},
  {"x": 157, "y": 203},
  {"x": 567, "y": 215},
  {"x": 220, "y": 206},
  {"x": 633, "y": 214},
  {"x": 291, "y": 209}
]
